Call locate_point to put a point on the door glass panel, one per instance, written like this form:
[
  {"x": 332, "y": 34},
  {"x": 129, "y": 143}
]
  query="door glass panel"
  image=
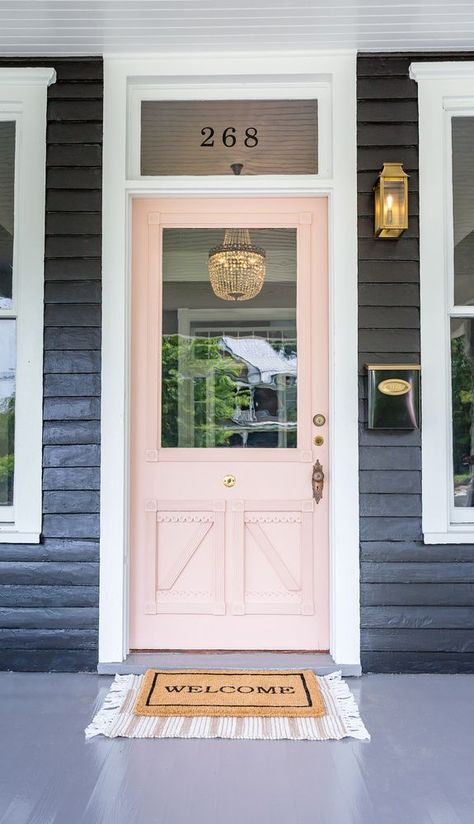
[
  {"x": 7, "y": 185},
  {"x": 7, "y": 409},
  {"x": 229, "y": 349},
  {"x": 195, "y": 137}
]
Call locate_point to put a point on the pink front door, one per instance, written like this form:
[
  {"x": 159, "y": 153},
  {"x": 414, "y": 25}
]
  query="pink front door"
[{"x": 229, "y": 548}]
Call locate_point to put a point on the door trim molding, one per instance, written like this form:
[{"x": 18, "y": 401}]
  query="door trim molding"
[{"x": 338, "y": 70}]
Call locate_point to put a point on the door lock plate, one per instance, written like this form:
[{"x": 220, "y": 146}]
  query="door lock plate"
[{"x": 318, "y": 481}]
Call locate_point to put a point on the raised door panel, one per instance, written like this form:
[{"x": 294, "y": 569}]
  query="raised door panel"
[
  {"x": 272, "y": 552},
  {"x": 186, "y": 557}
]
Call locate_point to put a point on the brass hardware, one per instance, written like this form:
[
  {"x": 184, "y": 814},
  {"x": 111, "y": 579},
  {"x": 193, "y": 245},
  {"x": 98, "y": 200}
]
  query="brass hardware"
[
  {"x": 229, "y": 481},
  {"x": 393, "y": 396},
  {"x": 318, "y": 440},
  {"x": 391, "y": 201},
  {"x": 317, "y": 482},
  {"x": 319, "y": 419},
  {"x": 394, "y": 386}
]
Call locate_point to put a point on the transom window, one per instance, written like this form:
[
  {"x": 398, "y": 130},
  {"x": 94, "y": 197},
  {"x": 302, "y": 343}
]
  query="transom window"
[
  {"x": 216, "y": 137},
  {"x": 265, "y": 131}
]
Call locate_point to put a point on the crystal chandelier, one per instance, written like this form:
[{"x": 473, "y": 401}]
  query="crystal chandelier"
[{"x": 236, "y": 268}]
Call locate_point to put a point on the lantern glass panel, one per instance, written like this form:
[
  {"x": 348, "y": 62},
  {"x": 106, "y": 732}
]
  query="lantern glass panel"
[{"x": 393, "y": 204}]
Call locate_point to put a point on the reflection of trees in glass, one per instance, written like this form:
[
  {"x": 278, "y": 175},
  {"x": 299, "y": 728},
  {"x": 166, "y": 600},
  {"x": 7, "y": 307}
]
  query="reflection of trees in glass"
[
  {"x": 199, "y": 358},
  {"x": 207, "y": 399},
  {"x": 462, "y": 401},
  {"x": 7, "y": 432}
]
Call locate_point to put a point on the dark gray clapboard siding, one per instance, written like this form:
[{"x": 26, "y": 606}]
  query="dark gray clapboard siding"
[
  {"x": 417, "y": 601},
  {"x": 49, "y": 593}
]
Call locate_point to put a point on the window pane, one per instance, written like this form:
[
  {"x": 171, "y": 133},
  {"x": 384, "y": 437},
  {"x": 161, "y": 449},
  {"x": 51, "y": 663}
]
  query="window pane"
[
  {"x": 7, "y": 186},
  {"x": 7, "y": 409},
  {"x": 195, "y": 137},
  {"x": 463, "y": 209},
  {"x": 462, "y": 378},
  {"x": 228, "y": 364}
]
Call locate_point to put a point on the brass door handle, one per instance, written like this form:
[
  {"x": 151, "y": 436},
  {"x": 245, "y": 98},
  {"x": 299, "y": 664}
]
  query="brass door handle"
[{"x": 318, "y": 481}]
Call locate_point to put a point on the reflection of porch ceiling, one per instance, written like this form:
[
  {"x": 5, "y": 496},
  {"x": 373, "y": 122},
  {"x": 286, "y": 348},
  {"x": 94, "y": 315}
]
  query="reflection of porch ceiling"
[
  {"x": 185, "y": 253},
  {"x": 42, "y": 27}
]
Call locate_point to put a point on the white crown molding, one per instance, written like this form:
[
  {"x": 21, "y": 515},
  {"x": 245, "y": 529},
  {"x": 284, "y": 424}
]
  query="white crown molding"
[
  {"x": 27, "y": 76},
  {"x": 447, "y": 69}
]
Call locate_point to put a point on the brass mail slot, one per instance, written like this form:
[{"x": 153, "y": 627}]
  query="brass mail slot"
[{"x": 393, "y": 396}]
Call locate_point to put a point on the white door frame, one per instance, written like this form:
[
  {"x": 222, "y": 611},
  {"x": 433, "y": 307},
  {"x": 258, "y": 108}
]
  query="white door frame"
[{"x": 250, "y": 75}]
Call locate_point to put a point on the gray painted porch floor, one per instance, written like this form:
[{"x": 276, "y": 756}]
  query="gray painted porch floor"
[{"x": 417, "y": 769}]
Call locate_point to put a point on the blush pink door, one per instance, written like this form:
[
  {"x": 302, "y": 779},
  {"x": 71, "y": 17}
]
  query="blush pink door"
[{"x": 229, "y": 548}]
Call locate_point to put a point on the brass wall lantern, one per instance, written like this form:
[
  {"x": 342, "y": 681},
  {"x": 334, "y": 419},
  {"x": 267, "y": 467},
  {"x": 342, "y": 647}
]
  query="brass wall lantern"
[{"x": 391, "y": 201}]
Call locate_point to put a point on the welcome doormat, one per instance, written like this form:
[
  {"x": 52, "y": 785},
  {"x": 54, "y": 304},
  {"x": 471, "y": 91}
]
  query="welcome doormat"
[
  {"x": 117, "y": 717},
  {"x": 230, "y": 693}
]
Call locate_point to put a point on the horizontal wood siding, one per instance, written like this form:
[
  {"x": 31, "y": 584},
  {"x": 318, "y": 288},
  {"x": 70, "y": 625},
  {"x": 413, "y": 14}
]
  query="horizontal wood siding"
[
  {"x": 49, "y": 593},
  {"x": 417, "y": 601}
]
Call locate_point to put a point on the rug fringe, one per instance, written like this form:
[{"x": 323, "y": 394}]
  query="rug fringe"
[
  {"x": 108, "y": 720},
  {"x": 113, "y": 701},
  {"x": 347, "y": 706}
]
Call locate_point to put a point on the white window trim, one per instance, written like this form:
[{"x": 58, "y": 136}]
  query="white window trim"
[
  {"x": 23, "y": 98},
  {"x": 223, "y": 88},
  {"x": 243, "y": 70},
  {"x": 444, "y": 89}
]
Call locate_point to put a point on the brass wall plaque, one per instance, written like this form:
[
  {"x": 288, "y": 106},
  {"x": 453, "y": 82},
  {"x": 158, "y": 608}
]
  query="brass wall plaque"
[
  {"x": 394, "y": 386},
  {"x": 393, "y": 399}
]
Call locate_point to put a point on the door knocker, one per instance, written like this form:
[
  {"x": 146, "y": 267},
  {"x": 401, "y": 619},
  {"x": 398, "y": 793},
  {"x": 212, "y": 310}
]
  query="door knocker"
[{"x": 318, "y": 482}]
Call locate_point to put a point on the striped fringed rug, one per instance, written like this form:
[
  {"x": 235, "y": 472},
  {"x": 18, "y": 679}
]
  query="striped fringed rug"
[{"x": 116, "y": 718}]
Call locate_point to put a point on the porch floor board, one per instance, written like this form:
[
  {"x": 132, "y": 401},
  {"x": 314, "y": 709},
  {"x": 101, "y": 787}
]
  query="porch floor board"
[{"x": 417, "y": 769}]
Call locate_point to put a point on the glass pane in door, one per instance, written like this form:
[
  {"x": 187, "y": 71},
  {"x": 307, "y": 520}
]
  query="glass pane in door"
[{"x": 229, "y": 344}]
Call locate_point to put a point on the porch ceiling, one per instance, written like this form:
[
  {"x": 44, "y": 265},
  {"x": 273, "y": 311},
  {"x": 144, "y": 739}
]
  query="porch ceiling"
[{"x": 79, "y": 27}]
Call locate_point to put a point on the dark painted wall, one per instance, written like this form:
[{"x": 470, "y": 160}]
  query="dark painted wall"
[
  {"x": 417, "y": 601},
  {"x": 49, "y": 593}
]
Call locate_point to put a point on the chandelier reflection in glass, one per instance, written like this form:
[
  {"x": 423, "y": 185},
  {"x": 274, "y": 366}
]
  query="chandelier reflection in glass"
[{"x": 236, "y": 268}]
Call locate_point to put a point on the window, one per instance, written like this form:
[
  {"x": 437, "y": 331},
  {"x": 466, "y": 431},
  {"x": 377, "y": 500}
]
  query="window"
[
  {"x": 22, "y": 195},
  {"x": 260, "y": 132},
  {"x": 446, "y": 105},
  {"x": 229, "y": 365},
  {"x": 216, "y": 137},
  {"x": 7, "y": 323}
]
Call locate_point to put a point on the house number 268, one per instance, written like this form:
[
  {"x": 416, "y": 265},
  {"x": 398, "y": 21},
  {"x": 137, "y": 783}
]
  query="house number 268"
[{"x": 229, "y": 136}]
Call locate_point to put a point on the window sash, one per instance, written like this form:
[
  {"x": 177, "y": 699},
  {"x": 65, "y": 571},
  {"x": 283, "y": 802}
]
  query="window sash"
[
  {"x": 23, "y": 98},
  {"x": 445, "y": 90}
]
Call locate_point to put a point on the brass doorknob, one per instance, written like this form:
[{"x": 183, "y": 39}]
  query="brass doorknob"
[{"x": 229, "y": 480}]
